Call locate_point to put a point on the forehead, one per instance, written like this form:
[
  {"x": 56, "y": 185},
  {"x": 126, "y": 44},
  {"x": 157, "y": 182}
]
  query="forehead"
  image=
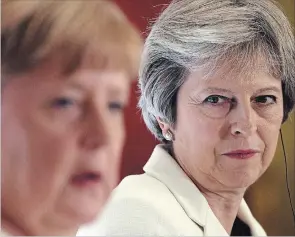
[
  {"x": 50, "y": 76},
  {"x": 105, "y": 79},
  {"x": 232, "y": 80},
  {"x": 240, "y": 66},
  {"x": 243, "y": 64}
]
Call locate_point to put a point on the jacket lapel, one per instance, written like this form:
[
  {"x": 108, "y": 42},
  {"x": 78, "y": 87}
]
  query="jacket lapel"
[
  {"x": 164, "y": 168},
  {"x": 246, "y": 216}
]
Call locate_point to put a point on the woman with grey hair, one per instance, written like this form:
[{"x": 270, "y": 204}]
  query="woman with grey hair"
[{"x": 217, "y": 82}]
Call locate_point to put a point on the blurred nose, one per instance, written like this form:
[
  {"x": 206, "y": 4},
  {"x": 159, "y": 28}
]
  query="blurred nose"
[
  {"x": 243, "y": 120},
  {"x": 95, "y": 133}
]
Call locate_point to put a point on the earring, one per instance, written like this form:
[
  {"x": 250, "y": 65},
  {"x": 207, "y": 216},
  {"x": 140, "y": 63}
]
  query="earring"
[{"x": 168, "y": 136}]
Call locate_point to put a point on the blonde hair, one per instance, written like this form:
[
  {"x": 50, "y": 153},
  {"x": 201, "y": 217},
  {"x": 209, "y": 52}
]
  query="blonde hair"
[{"x": 35, "y": 30}]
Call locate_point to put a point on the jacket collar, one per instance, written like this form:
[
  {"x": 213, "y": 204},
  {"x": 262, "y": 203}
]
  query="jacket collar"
[{"x": 164, "y": 168}]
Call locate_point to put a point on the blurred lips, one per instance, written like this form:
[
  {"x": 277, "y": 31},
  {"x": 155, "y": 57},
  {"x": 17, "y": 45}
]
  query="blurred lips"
[
  {"x": 241, "y": 154},
  {"x": 86, "y": 178}
]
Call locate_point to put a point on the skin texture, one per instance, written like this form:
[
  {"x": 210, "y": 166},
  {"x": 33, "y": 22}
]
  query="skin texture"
[
  {"x": 54, "y": 127},
  {"x": 219, "y": 115}
]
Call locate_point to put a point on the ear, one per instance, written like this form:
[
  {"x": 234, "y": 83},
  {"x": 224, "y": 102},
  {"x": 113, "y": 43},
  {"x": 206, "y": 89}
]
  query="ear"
[{"x": 164, "y": 126}]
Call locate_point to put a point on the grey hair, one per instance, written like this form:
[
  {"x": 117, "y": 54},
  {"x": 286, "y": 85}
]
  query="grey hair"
[{"x": 201, "y": 34}]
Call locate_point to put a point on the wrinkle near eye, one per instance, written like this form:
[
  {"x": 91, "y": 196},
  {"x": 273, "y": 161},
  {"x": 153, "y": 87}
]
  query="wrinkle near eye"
[{"x": 195, "y": 100}]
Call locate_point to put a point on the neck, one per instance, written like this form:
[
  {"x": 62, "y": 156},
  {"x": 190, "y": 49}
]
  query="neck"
[
  {"x": 13, "y": 229},
  {"x": 225, "y": 206}
]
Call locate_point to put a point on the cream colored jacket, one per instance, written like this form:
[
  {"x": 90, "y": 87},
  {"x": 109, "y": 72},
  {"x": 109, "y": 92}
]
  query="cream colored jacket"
[
  {"x": 3, "y": 233},
  {"x": 162, "y": 202}
]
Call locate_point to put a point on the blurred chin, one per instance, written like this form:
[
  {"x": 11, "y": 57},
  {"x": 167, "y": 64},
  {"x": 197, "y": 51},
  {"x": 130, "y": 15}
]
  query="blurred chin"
[
  {"x": 91, "y": 215},
  {"x": 82, "y": 207},
  {"x": 87, "y": 212}
]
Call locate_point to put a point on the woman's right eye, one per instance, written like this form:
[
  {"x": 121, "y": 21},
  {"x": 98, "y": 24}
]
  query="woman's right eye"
[
  {"x": 216, "y": 100},
  {"x": 63, "y": 103}
]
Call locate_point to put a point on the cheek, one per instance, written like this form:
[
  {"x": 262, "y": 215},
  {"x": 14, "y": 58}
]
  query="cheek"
[
  {"x": 117, "y": 133},
  {"x": 269, "y": 135},
  {"x": 37, "y": 161},
  {"x": 14, "y": 149},
  {"x": 196, "y": 138},
  {"x": 52, "y": 154},
  {"x": 110, "y": 167},
  {"x": 113, "y": 160},
  {"x": 194, "y": 127}
]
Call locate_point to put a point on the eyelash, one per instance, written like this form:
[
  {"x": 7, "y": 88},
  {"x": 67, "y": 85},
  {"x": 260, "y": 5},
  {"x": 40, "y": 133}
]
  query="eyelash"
[
  {"x": 63, "y": 102},
  {"x": 226, "y": 100},
  {"x": 274, "y": 99},
  {"x": 233, "y": 101},
  {"x": 116, "y": 106}
]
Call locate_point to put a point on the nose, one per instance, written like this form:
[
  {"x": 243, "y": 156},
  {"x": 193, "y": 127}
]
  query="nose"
[
  {"x": 95, "y": 130},
  {"x": 243, "y": 120}
]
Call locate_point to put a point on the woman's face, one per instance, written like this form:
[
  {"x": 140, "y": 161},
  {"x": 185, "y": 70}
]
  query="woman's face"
[
  {"x": 227, "y": 128},
  {"x": 62, "y": 139}
]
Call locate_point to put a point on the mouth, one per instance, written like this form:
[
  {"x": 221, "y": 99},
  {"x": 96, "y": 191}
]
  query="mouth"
[
  {"x": 86, "y": 178},
  {"x": 241, "y": 154}
]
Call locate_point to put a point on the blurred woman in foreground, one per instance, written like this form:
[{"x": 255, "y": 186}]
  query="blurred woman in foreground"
[{"x": 66, "y": 72}]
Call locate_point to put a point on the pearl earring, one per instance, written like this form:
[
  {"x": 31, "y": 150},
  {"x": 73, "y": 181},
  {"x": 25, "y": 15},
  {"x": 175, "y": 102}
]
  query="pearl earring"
[{"x": 168, "y": 136}]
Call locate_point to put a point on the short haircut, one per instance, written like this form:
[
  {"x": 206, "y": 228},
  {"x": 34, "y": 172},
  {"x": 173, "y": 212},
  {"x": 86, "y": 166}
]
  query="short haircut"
[{"x": 208, "y": 34}]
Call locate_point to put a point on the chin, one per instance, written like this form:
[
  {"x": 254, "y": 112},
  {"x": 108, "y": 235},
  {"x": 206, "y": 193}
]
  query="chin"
[
  {"x": 83, "y": 210},
  {"x": 242, "y": 180},
  {"x": 87, "y": 216},
  {"x": 83, "y": 205}
]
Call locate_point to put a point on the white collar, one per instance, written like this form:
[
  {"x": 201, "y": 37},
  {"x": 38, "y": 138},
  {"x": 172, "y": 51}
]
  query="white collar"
[
  {"x": 164, "y": 168},
  {"x": 3, "y": 233}
]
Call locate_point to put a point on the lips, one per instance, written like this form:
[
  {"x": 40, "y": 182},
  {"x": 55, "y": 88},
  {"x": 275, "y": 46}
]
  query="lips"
[
  {"x": 241, "y": 154},
  {"x": 86, "y": 178}
]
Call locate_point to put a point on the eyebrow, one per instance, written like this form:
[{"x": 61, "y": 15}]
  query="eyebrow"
[
  {"x": 118, "y": 92},
  {"x": 77, "y": 87},
  {"x": 216, "y": 89},
  {"x": 271, "y": 88},
  {"x": 115, "y": 92}
]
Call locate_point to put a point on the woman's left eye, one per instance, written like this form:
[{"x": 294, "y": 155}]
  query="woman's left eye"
[
  {"x": 216, "y": 100},
  {"x": 63, "y": 102},
  {"x": 266, "y": 99},
  {"x": 116, "y": 106}
]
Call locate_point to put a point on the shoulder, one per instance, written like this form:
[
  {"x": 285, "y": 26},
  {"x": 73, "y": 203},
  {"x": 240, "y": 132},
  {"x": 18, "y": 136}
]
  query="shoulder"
[
  {"x": 138, "y": 206},
  {"x": 141, "y": 205},
  {"x": 4, "y": 233},
  {"x": 146, "y": 194},
  {"x": 143, "y": 187}
]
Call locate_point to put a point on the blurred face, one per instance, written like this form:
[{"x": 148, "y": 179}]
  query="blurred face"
[
  {"x": 62, "y": 139},
  {"x": 227, "y": 128}
]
